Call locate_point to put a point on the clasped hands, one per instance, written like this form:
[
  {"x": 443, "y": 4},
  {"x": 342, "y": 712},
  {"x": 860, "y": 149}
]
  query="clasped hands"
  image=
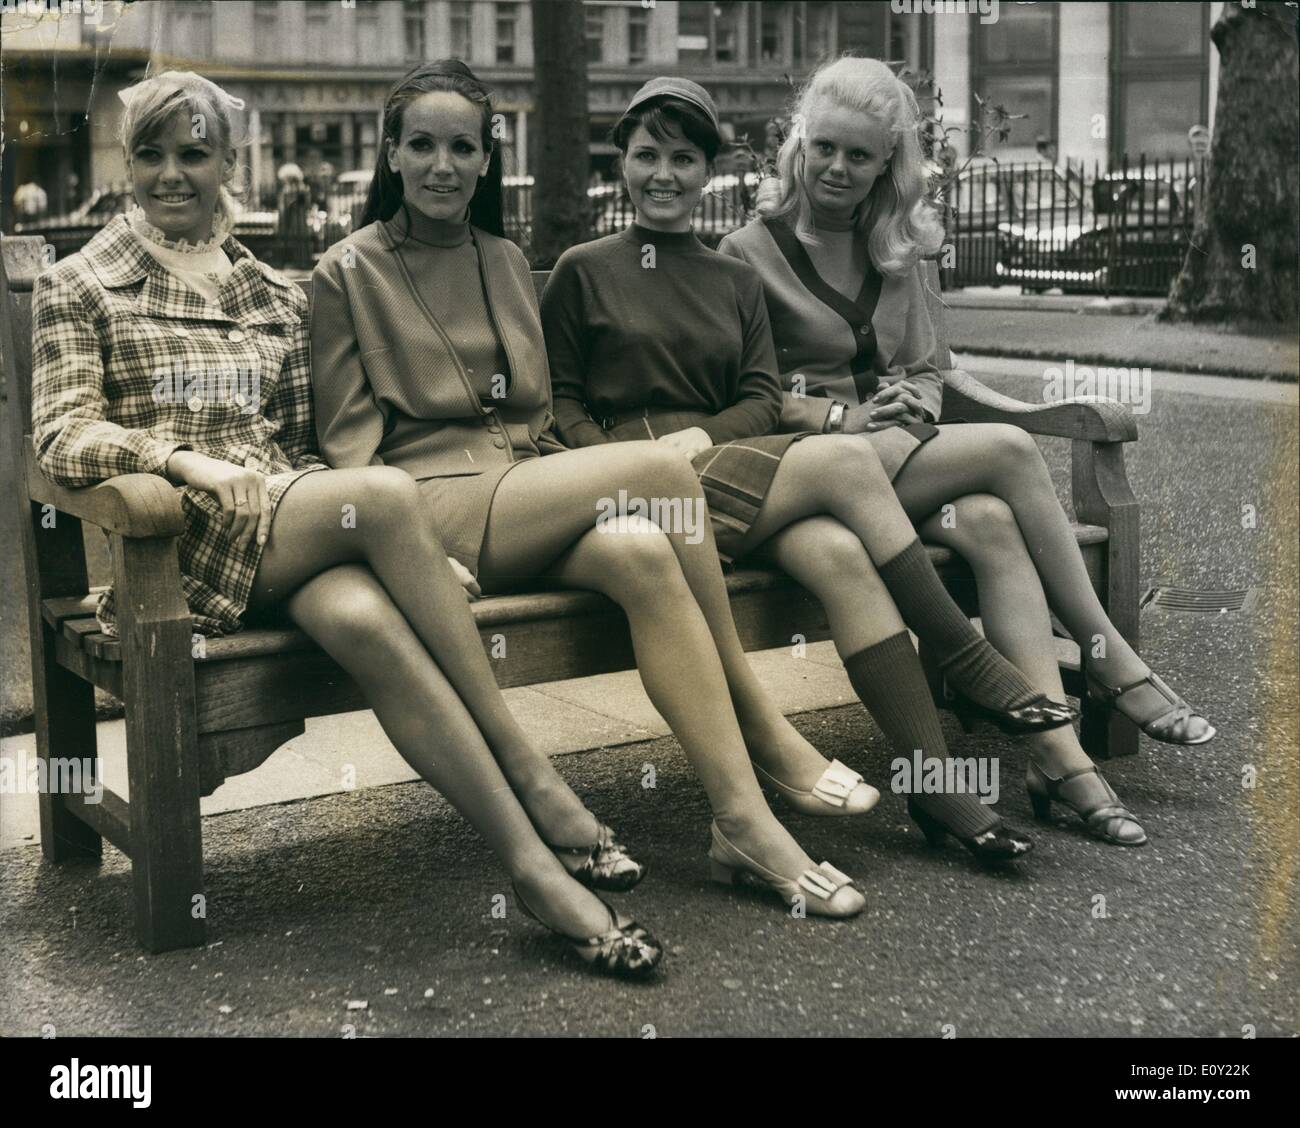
[{"x": 895, "y": 405}]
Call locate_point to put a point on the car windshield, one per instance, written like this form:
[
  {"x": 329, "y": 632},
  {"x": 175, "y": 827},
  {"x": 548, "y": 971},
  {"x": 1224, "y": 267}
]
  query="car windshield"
[{"x": 1037, "y": 190}]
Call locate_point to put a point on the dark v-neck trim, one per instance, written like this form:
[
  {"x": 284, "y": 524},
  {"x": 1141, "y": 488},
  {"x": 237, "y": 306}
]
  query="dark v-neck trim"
[{"x": 858, "y": 312}]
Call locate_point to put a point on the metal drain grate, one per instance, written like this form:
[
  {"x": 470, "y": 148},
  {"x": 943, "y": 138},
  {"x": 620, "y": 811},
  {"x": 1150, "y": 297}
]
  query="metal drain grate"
[{"x": 1200, "y": 602}]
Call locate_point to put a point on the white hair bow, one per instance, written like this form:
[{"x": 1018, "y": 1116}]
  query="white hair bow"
[{"x": 182, "y": 80}]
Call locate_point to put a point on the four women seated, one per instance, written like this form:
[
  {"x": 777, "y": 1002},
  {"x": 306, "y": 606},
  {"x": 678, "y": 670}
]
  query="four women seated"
[{"x": 479, "y": 444}]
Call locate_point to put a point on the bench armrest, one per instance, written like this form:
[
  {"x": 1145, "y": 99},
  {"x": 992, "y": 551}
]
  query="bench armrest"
[
  {"x": 1092, "y": 418},
  {"x": 133, "y": 505}
]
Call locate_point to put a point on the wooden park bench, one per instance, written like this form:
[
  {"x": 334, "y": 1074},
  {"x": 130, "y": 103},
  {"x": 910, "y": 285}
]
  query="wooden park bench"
[{"x": 191, "y": 723}]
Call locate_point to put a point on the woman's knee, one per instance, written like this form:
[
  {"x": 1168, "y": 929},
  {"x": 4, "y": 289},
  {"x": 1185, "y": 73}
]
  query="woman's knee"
[
  {"x": 981, "y": 525},
  {"x": 661, "y": 472},
  {"x": 388, "y": 496},
  {"x": 825, "y": 554},
  {"x": 1013, "y": 448},
  {"x": 631, "y": 555},
  {"x": 347, "y": 610},
  {"x": 847, "y": 462}
]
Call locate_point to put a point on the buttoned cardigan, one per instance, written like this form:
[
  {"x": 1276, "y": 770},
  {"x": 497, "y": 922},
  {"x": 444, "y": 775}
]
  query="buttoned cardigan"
[
  {"x": 816, "y": 346},
  {"x": 129, "y": 364},
  {"x": 389, "y": 386}
]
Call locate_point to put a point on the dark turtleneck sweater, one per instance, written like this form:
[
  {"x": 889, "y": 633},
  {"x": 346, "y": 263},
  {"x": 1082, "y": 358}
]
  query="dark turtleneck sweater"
[{"x": 680, "y": 329}]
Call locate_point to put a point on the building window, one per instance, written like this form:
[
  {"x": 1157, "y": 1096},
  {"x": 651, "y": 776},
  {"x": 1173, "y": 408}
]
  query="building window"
[
  {"x": 863, "y": 29},
  {"x": 413, "y": 29},
  {"x": 772, "y": 33},
  {"x": 693, "y": 19},
  {"x": 318, "y": 28},
  {"x": 638, "y": 35},
  {"x": 812, "y": 32},
  {"x": 462, "y": 30},
  {"x": 726, "y": 32},
  {"x": 507, "y": 28},
  {"x": 708, "y": 32},
  {"x": 1159, "y": 78},
  {"x": 595, "y": 33},
  {"x": 367, "y": 32},
  {"x": 193, "y": 24},
  {"x": 1015, "y": 64},
  {"x": 266, "y": 27}
]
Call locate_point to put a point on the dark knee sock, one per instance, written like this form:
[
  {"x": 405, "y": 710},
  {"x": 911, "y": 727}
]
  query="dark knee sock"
[
  {"x": 889, "y": 681},
  {"x": 966, "y": 658}
]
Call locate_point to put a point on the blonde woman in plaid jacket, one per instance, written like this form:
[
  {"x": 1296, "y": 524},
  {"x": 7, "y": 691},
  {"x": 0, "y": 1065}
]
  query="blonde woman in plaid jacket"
[{"x": 165, "y": 347}]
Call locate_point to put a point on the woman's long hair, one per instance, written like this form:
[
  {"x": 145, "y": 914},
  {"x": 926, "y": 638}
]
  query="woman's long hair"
[
  {"x": 900, "y": 226},
  {"x": 385, "y": 195}
]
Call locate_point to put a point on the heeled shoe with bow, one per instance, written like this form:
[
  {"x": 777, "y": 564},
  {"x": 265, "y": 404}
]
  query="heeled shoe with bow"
[
  {"x": 1103, "y": 814},
  {"x": 995, "y": 846},
  {"x": 824, "y": 889},
  {"x": 839, "y": 791},
  {"x": 1038, "y": 715},
  {"x": 606, "y": 865},
  {"x": 624, "y": 951},
  {"x": 1170, "y": 725}
]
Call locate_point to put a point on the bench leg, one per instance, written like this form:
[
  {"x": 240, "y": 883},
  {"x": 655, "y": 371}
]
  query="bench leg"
[
  {"x": 1102, "y": 496},
  {"x": 65, "y": 730},
  {"x": 162, "y": 745}
]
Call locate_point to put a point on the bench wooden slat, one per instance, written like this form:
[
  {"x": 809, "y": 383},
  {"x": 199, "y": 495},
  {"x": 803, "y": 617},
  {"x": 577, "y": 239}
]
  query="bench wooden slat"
[
  {"x": 75, "y": 616},
  {"x": 56, "y": 611}
]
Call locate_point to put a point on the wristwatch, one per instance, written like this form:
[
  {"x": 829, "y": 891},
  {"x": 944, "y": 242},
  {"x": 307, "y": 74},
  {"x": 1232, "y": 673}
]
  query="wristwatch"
[{"x": 835, "y": 418}]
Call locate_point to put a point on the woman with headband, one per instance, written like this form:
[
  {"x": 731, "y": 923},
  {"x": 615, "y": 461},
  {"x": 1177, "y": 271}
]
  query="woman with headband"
[
  {"x": 652, "y": 335},
  {"x": 837, "y": 249},
  {"x": 427, "y": 355},
  {"x": 166, "y": 290}
]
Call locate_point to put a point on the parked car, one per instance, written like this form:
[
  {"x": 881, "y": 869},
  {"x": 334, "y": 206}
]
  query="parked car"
[
  {"x": 1133, "y": 242},
  {"x": 1005, "y": 215}
]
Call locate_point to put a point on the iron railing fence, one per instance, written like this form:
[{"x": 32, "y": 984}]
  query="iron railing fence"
[{"x": 1082, "y": 228}]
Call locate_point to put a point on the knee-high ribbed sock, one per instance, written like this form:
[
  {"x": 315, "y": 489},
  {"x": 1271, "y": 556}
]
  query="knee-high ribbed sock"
[
  {"x": 967, "y": 659},
  {"x": 889, "y": 681}
]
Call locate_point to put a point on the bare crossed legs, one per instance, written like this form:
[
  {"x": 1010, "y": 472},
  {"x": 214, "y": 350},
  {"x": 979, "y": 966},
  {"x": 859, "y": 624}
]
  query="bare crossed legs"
[
  {"x": 689, "y": 656},
  {"x": 382, "y": 600}
]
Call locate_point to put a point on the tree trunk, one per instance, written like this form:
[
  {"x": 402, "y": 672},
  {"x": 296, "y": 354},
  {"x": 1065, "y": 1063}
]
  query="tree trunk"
[
  {"x": 561, "y": 214},
  {"x": 1241, "y": 265}
]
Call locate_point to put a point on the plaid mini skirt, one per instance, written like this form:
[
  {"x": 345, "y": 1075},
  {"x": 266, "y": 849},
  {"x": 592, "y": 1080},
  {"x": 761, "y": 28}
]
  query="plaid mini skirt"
[{"x": 736, "y": 477}]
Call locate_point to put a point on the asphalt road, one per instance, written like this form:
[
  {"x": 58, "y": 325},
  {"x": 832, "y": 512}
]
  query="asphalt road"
[{"x": 383, "y": 898}]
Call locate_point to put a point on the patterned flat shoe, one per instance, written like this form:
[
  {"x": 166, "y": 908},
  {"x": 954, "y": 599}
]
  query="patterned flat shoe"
[
  {"x": 840, "y": 791},
  {"x": 606, "y": 865},
  {"x": 1172, "y": 726},
  {"x": 1102, "y": 812},
  {"x": 625, "y": 951},
  {"x": 824, "y": 890}
]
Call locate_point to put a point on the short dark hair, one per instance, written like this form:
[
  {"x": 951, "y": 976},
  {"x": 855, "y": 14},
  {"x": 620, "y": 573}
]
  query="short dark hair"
[{"x": 665, "y": 118}]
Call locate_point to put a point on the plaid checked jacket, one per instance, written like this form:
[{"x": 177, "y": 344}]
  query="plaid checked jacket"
[{"x": 129, "y": 365}]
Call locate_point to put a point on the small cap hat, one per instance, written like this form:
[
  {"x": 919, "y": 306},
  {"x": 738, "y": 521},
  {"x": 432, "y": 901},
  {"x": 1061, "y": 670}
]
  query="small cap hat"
[{"x": 673, "y": 87}]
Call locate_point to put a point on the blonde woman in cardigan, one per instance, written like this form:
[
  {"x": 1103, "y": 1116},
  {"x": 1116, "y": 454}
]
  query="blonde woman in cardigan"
[
  {"x": 837, "y": 249},
  {"x": 166, "y": 291},
  {"x": 428, "y": 356}
]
